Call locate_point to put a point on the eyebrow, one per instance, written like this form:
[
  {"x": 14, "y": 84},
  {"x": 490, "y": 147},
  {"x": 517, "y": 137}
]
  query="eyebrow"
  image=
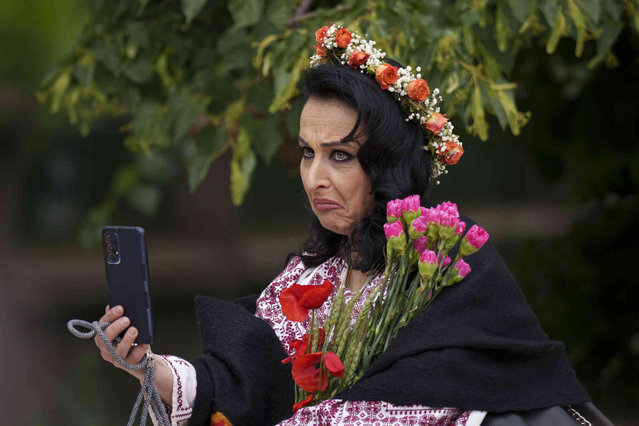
[{"x": 328, "y": 144}]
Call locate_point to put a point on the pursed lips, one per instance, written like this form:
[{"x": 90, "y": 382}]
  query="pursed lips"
[{"x": 325, "y": 204}]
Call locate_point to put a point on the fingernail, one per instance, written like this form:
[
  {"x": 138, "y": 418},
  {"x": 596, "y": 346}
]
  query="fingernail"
[
  {"x": 132, "y": 332},
  {"x": 124, "y": 320},
  {"x": 117, "y": 310}
]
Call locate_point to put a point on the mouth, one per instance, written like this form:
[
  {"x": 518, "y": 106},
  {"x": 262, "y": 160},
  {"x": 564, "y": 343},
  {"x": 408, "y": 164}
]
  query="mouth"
[{"x": 325, "y": 204}]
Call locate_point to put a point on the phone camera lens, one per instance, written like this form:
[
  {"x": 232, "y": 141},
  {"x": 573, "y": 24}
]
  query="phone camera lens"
[
  {"x": 109, "y": 239},
  {"x": 111, "y": 257}
]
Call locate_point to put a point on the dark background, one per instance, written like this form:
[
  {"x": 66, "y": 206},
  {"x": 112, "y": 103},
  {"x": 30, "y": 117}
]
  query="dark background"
[{"x": 560, "y": 202}]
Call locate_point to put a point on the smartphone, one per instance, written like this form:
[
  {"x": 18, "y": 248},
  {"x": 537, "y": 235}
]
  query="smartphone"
[{"x": 127, "y": 275}]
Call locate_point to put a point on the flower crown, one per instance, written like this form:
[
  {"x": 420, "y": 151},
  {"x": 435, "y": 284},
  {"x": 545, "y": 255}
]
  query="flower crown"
[{"x": 337, "y": 45}]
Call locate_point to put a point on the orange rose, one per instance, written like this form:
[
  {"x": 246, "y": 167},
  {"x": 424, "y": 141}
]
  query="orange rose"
[
  {"x": 321, "y": 34},
  {"x": 453, "y": 153},
  {"x": 386, "y": 74},
  {"x": 343, "y": 37},
  {"x": 436, "y": 122},
  {"x": 319, "y": 49},
  {"x": 418, "y": 90},
  {"x": 358, "y": 58}
]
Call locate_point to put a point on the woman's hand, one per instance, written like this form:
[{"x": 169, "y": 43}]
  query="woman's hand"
[
  {"x": 163, "y": 375},
  {"x": 120, "y": 323}
]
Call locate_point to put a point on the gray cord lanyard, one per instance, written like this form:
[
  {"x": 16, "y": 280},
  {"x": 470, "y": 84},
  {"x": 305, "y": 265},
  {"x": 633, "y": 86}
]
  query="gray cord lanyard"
[{"x": 148, "y": 364}]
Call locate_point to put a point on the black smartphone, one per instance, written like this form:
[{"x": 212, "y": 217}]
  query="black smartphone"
[{"x": 127, "y": 275}]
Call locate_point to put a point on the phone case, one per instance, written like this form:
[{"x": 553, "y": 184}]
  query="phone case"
[{"x": 127, "y": 276}]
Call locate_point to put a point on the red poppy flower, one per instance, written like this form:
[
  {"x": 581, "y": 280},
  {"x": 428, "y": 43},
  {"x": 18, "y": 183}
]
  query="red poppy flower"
[
  {"x": 308, "y": 375},
  {"x": 297, "y": 299},
  {"x": 302, "y": 403},
  {"x": 301, "y": 345}
]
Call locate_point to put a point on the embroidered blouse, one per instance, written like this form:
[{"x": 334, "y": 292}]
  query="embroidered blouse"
[{"x": 328, "y": 412}]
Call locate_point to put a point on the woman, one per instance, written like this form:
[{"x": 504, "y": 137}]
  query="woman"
[{"x": 477, "y": 349}]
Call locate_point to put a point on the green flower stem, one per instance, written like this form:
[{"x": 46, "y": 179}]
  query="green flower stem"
[{"x": 344, "y": 325}]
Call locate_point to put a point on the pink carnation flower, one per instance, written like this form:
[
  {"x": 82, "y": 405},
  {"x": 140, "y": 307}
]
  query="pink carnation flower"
[
  {"x": 476, "y": 236},
  {"x": 420, "y": 245},
  {"x": 432, "y": 215},
  {"x": 448, "y": 220},
  {"x": 394, "y": 210},
  {"x": 448, "y": 207},
  {"x": 428, "y": 256},
  {"x": 447, "y": 260},
  {"x": 394, "y": 229},
  {"x": 474, "y": 239},
  {"x": 461, "y": 227},
  {"x": 462, "y": 268},
  {"x": 427, "y": 264},
  {"x": 411, "y": 203}
]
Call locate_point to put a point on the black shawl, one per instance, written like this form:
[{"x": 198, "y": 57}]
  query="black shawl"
[{"x": 477, "y": 347}]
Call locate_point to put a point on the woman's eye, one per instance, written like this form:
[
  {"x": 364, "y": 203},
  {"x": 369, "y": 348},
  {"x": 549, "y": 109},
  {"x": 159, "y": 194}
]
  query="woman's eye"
[
  {"x": 341, "y": 156},
  {"x": 306, "y": 152}
]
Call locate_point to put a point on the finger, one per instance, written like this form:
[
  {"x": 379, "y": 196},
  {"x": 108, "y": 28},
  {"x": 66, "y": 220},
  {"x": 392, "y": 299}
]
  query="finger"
[
  {"x": 125, "y": 345},
  {"x": 106, "y": 309},
  {"x": 112, "y": 314},
  {"x": 116, "y": 328}
]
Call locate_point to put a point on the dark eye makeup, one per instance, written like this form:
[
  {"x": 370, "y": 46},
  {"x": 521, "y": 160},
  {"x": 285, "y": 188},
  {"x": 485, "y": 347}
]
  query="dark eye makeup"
[{"x": 336, "y": 154}]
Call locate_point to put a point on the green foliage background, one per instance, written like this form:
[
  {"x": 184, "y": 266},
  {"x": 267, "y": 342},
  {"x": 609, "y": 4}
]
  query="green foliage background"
[{"x": 196, "y": 79}]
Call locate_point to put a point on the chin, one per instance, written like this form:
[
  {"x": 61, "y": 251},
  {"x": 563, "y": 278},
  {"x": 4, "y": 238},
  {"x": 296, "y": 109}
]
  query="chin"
[{"x": 330, "y": 225}]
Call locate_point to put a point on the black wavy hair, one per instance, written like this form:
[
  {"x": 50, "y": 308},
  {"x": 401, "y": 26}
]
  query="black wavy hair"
[{"x": 392, "y": 157}]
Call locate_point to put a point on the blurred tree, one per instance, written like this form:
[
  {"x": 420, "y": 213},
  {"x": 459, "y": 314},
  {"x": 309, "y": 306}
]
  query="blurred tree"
[{"x": 198, "y": 78}]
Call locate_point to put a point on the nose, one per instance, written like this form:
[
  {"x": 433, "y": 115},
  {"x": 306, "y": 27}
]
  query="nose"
[{"x": 317, "y": 175}]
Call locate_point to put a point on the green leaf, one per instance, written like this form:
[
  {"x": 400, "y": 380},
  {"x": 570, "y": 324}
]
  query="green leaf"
[
  {"x": 605, "y": 42},
  {"x": 520, "y": 9},
  {"x": 501, "y": 31},
  {"x": 266, "y": 136},
  {"x": 279, "y": 12},
  {"x": 138, "y": 32},
  {"x": 59, "y": 88},
  {"x": 558, "y": 29},
  {"x": 613, "y": 8},
  {"x": 286, "y": 84},
  {"x": 506, "y": 98},
  {"x": 580, "y": 24},
  {"x": 245, "y": 12},
  {"x": 191, "y": 8},
  {"x": 108, "y": 54},
  {"x": 198, "y": 154},
  {"x": 498, "y": 110},
  {"x": 139, "y": 70},
  {"x": 592, "y": 9},
  {"x": 125, "y": 179},
  {"x": 480, "y": 126},
  {"x": 241, "y": 172},
  {"x": 156, "y": 167},
  {"x": 184, "y": 107},
  {"x": 144, "y": 198}
]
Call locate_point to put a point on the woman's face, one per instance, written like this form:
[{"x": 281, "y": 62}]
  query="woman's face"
[{"x": 337, "y": 188}]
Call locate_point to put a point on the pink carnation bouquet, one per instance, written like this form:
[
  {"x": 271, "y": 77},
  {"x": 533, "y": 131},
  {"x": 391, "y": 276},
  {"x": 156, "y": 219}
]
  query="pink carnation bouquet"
[{"x": 417, "y": 269}]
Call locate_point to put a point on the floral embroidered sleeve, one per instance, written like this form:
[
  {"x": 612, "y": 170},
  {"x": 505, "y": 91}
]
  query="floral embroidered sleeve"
[{"x": 184, "y": 388}]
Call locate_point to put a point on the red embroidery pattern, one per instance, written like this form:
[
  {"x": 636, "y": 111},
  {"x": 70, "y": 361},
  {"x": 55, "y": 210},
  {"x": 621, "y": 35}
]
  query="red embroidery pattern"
[
  {"x": 182, "y": 410},
  {"x": 331, "y": 412}
]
